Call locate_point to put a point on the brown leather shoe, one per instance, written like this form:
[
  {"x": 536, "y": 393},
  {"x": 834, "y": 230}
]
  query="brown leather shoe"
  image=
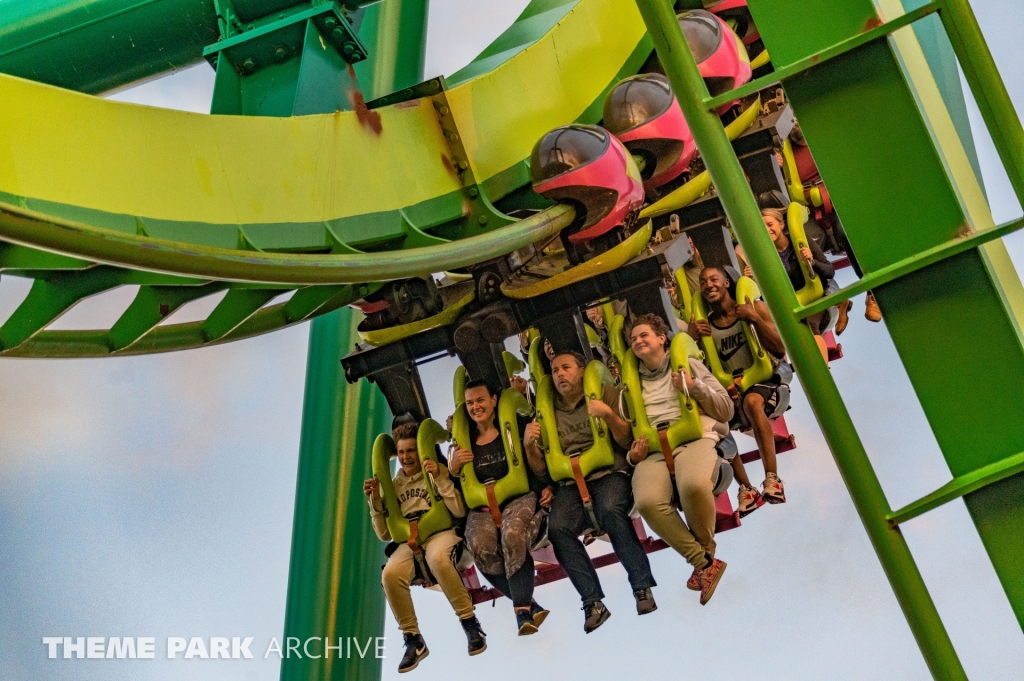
[
  {"x": 871, "y": 310},
  {"x": 844, "y": 316}
]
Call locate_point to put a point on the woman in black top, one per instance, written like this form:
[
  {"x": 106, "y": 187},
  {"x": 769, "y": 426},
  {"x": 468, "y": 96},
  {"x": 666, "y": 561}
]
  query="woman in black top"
[
  {"x": 775, "y": 223},
  {"x": 503, "y": 557}
]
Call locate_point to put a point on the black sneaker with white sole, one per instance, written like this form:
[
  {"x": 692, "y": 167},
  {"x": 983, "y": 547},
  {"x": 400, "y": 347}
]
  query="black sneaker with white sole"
[
  {"x": 475, "y": 635},
  {"x": 415, "y": 650}
]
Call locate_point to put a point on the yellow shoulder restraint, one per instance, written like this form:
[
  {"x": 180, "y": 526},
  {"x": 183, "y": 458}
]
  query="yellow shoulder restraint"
[
  {"x": 575, "y": 465},
  {"x": 758, "y": 372},
  {"x": 493, "y": 494},
  {"x": 416, "y": 531}
]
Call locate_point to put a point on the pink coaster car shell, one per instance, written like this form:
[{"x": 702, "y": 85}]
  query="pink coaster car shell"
[
  {"x": 669, "y": 125},
  {"x": 725, "y": 65},
  {"x": 613, "y": 170}
]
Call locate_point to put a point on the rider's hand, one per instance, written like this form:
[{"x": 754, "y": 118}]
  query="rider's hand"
[
  {"x": 462, "y": 457},
  {"x": 638, "y": 450},
  {"x": 698, "y": 328},
  {"x": 546, "y": 496},
  {"x": 598, "y": 409},
  {"x": 746, "y": 311},
  {"x": 531, "y": 434},
  {"x": 681, "y": 380},
  {"x": 431, "y": 468},
  {"x": 371, "y": 488}
]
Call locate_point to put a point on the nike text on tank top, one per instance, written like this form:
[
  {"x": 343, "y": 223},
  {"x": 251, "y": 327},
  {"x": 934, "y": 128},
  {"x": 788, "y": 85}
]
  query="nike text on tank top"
[{"x": 732, "y": 348}]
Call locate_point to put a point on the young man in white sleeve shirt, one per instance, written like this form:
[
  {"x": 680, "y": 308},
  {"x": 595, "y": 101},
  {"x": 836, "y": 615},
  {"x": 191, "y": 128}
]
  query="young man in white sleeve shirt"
[
  {"x": 439, "y": 550},
  {"x": 695, "y": 464}
]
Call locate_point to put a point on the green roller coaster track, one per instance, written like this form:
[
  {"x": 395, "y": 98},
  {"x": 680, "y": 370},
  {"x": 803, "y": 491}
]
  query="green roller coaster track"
[{"x": 260, "y": 201}]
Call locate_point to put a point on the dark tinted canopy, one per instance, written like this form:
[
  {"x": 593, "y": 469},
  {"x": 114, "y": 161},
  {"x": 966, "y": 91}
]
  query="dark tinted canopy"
[
  {"x": 702, "y": 31},
  {"x": 636, "y": 101},
  {"x": 567, "y": 148}
]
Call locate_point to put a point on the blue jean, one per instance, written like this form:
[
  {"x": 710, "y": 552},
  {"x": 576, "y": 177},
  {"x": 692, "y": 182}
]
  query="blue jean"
[{"x": 612, "y": 497}]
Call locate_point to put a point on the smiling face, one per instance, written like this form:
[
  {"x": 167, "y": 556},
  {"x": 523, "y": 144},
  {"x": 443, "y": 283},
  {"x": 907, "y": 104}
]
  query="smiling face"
[
  {"x": 648, "y": 346},
  {"x": 714, "y": 286},
  {"x": 775, "y": 228},
  {"x": 480, "y": 405},
  {"x": 408, "y": 457},
  {"x": 567, "y": 375}
]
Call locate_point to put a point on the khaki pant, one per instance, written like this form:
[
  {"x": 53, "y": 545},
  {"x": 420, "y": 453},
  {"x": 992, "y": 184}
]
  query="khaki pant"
[
  {"x": 695, "y": 463},
  {"x": 401, "y": 567}
]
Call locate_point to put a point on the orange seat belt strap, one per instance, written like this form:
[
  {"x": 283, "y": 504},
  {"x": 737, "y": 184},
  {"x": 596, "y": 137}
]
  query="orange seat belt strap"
[
  {"x": 670, "y": 461},
  {"x": 581, "y": 484},
  {"x": 414, "y": 534},
  {"x": 492, "y": 503}
]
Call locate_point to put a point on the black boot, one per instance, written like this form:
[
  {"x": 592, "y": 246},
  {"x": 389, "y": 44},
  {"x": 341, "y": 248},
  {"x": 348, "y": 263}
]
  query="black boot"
[
  {"x": 415, "y": 650},
  {"x": 474, "y": 635},
  {"x": 539, "y": 613},
  {"x": 524, "y": 620}
]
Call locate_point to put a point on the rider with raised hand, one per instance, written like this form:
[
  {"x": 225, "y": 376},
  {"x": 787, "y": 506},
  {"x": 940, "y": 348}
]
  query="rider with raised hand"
[{"x": 791, "y": 254}]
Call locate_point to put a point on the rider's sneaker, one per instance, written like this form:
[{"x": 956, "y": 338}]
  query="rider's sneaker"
[
  {"x": 644, "y": 601},
  {"x": 596, "y": 615},
  {"x": 774, "y": 492},
  {"x": 709, "y": 581},
  {"x": 747, "y": 500},
  {"x": 415, "y": 650},
  {"x": 539, "y": 614},
  {"x": 475, "y": 636},
  {"x": 524, "y": 620},
  {"x": 695, "y": 580}
]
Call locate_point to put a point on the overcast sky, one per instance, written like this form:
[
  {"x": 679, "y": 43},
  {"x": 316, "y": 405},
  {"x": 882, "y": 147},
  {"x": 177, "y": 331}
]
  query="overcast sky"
[{"x": 153, "y": 496}]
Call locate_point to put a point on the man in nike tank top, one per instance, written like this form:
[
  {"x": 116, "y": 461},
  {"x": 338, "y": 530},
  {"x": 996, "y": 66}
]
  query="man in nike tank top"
[{"x": 724, "y": 325}]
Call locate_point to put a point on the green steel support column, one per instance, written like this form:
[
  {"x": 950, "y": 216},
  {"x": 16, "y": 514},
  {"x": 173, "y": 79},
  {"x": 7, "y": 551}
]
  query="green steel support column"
[
  {"x": 334, "y": 578},
  {"x": 815, "y": 378},
  {"x": 395, "y": 32},
  {"x": 989, "y": 91},
  {"x": 902, "y": 184}
]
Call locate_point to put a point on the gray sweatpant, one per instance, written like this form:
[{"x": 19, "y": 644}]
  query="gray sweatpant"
[{"x": 695, "y": 464}]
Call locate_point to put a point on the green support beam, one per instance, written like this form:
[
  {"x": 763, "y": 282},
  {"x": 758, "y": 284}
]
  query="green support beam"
[
  {"x": 237, "y": 306},
  {"x": 987, "y": 86},
  {"x": 960, "y": 486},
  {"x": 832, "y": 415},
  {"x": 151, "y": 306},
  {"x": 49, "y": 298},
  {"x": 884, "y": 275},
  {"x": 334, "y": 578},
  {"x": 902, "y": 183},
  {"x": 103, "y": 45}
]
